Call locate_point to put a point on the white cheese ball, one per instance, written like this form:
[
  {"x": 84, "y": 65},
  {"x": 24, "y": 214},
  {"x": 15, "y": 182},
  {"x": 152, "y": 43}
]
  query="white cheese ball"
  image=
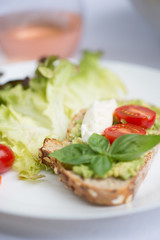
[{"x": 98, "y": 117}]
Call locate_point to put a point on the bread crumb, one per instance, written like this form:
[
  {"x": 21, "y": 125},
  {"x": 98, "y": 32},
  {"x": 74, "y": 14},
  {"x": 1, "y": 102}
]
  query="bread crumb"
[
  {"x": 93, "y": 193},
  {"x": 129, "y": 198},
  {"x": 118, "y": 200},
  {"x": 56, "y": 170},
  {"x": 78, "y": 183},
  {"x": 46, "y": 159}
]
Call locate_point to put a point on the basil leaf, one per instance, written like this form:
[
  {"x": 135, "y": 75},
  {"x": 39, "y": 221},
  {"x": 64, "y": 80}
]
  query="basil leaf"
[
  {"x": 131, "y": 146},
  {"x": 101, "y": 164},
  {"x": 74, "y": 154},
  {"x": 98, "y": 143}
]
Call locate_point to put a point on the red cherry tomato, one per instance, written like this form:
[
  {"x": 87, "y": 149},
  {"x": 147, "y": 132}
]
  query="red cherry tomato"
[
  {"x": 135, "y": 114},
  {"x": 115, "y": 131},
  {"x": 6, "y": 158}
]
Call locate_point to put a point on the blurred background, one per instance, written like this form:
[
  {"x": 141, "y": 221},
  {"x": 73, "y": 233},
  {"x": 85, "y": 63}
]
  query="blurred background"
[{"x": 125, "y": 30}]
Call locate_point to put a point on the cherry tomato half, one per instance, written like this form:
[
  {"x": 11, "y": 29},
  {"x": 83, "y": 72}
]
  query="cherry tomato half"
[
  {"x": 6, "y": 158},
  {"x": 135, "y": 114},
  {"x": 115, "y": 131}
]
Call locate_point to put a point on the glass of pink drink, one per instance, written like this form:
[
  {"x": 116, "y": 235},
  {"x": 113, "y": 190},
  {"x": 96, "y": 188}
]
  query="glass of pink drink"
[{"x": 31, "y": 32}]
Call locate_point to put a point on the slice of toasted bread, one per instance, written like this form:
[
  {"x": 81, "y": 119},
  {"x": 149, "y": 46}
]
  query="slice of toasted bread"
[{"x": 110, "y": 191}]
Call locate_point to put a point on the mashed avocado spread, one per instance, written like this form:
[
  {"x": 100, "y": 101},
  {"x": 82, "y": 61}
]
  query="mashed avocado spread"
[{"x": 123, "y": 170}]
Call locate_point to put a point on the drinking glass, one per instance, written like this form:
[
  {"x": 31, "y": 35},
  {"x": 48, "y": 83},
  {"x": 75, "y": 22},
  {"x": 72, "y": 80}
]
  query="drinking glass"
[{"x": 33, "y": 29}]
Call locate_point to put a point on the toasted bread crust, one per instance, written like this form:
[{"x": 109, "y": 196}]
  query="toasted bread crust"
[
  {"x": 110, "y": 191},
  {"x": 77, "y": 117}
]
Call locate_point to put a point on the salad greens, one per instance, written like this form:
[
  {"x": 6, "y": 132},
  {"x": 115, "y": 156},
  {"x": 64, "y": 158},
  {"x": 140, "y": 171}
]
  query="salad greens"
[
  {"x": 100, "y": 159},
  {"x": 43, "y": 107}
]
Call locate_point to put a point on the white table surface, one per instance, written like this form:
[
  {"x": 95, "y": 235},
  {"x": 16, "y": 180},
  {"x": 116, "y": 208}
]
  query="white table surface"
[{"x": 116, "y": 28}]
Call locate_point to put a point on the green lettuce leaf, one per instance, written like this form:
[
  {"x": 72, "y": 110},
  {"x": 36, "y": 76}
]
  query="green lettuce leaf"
[
  {"x": 91, "y": 82},
  {"x": 24, "y": 124}
]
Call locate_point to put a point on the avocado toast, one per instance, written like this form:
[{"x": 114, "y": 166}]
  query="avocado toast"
[{"x": 121, "y": 181}]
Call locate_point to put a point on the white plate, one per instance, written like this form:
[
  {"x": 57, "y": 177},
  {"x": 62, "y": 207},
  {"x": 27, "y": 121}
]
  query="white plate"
[{"x": 48, "y": 199}]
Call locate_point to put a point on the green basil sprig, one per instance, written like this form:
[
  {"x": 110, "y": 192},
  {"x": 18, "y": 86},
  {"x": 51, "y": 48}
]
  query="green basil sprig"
[
  {"x": 131, "y": 146},
  {"x": 74, "y": 154},
  {"x": 101, "y": 164},
  {"x": 98, "y": 143},
  {"x": 95, "y": 154},
  {"x": 100, "y": 155}
]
